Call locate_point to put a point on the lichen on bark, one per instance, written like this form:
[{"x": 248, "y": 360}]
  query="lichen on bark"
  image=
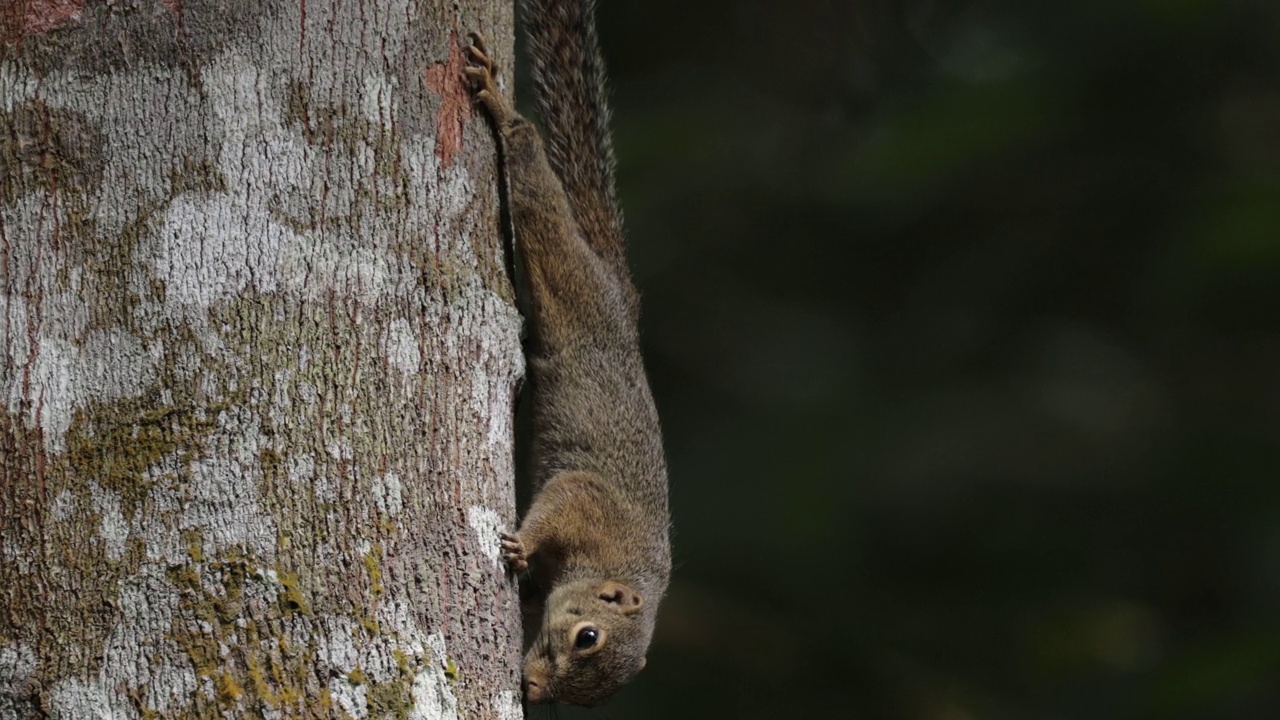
[{"x": 259, "y": 354}]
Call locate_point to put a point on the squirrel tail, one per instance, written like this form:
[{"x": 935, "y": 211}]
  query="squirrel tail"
[{"x": 570, "y": 86}]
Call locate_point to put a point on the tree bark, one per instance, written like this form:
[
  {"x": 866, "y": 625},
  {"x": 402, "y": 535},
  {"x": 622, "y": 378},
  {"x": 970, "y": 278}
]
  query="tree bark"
[{"x": 258, "y": 350}]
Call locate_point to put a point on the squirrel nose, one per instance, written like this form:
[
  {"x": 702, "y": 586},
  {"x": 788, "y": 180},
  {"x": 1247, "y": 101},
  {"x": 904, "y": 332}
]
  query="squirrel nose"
[{"x": 533, "y": 692}]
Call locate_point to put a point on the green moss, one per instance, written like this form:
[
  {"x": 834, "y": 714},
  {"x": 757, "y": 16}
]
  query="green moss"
[
  {"x": 184, "y": 577},
  {"x": 388, "y": 526},
  {"x": 194, "y": 540},
  {"x": 371, "y": 626},
  {"x": 196, "y": 174},
  {"x": 272, "y": 465},
  {"x": 391, "y": 699},
  {"x": 404, "y": 664},
  {"x": 394, "y": 699},
  {"x": 48, "y": 147},
  {"x": 262, "y": 689},
  {"x": 228, "y": 689},
  {"x": 115, "y": 443},
  {"x": 373, "y": 564},
  {"x": 291, "y": 598},
  {"x": 238, "y": 643}
]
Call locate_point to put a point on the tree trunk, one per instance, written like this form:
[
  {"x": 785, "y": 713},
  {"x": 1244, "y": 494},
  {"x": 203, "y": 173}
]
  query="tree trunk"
[{"x": 258, "y": 350}]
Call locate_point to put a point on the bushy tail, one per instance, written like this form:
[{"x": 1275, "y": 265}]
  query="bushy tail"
[{"x": 570, "y": 85}]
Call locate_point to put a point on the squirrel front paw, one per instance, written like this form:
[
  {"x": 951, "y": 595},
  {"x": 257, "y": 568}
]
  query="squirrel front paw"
[
  {"x": 513, "y": 552},
  {"x": 482, "y": 73}
]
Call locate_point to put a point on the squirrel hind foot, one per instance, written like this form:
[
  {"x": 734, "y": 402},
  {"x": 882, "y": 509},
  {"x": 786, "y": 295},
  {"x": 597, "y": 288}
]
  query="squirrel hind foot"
[
  {"x": 478, "y": 52},
  {"x": 482, "y": 73}
]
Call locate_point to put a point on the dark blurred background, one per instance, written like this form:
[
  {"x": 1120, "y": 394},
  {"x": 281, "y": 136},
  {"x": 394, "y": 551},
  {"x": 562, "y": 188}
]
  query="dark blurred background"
[{"x": 962, "y": 318}]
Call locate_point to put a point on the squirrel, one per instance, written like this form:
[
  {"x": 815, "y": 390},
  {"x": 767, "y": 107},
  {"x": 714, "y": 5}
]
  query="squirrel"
[{"x": 599, "y": 523}]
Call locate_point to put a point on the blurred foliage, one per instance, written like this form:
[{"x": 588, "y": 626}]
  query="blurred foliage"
[{"x": 962, "y": 318}]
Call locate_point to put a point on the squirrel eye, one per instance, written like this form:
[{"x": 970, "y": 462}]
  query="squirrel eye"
[{"x": 587, "y": 638}]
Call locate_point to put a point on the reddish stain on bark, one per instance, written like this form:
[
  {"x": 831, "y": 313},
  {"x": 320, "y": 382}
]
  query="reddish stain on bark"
[
  {"x": 34, "y": 17},
  {"x": 175, "y": 11},
  {"x": 447, "y": 80}
]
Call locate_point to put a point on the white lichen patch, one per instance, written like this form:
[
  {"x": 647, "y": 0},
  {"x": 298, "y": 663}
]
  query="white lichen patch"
[
  {"x": 17, "y": 663},
  {"x": 224, "y": 506},
  {"x": 337, "y": 643},
  {"x": 135, "y": 162},
  {"x": 113, "y": 365},
  {"x": 113, "y": 528},
  {"x": 304, "y": 475},
  {"x": 503, "y": 343},
  {"x": 364, "y": 547},
  {"x": 487, "y": 525},
  {"x": 280, "y": 406},
  {"x": 165, "y": 499},
  {"x": 13, "y": 311},
  {"x": 340, "y": 449},
  {"x": 433, "y": 697},
  {"x": 378, "y": 100},
  {"x": 222, "y": 495},
  {"x": 350, "y": 697},
  {"x": 41, "y": 386},
  {"x": 314, "y": 269},
  {"x": 439, "y": 214},
  {"x": 398, "y": 618},
  {"x": 50, "y": 390},
  {"x": 402, "y": 348},
  {"x": 76, "y": 699},
  {"x": 138, "y": 653},
  {"x": 341, "y": 650},
  {"x": 332, "y": 21},
  {"x": 65, "y": 370},
  {"x": 210, "y": 248},
  {"x": 19, "y": 84},
  {"x": 507, "y": 706},
  {"x": 387, "y": 494},
  {"x": 12, "y": 552},
  {"x": 64, "y": 505},
  {"x": 262, "y": 232}
]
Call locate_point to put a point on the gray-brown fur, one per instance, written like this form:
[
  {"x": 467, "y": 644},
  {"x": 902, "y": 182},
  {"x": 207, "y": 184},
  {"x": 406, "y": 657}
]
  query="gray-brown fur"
[
  {"x": 570, "y": 90},
  {"x": 598, "y": 525}
]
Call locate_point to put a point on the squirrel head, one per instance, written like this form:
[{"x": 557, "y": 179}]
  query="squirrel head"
[{"x": 594, "y": 637}]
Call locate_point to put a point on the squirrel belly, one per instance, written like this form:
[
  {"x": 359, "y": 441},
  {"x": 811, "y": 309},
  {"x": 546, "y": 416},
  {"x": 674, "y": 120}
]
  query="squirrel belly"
[{"x": 599, "y": 523}]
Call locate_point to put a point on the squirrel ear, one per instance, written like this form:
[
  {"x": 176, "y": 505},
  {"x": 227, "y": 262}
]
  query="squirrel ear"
[
  {"x": 643, "y": 661},
  {"x": 627, "y": 600}
]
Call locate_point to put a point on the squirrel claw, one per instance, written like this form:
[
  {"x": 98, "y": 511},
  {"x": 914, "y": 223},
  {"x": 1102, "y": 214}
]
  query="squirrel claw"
[
  {"x": 513, "y": 552},
  {"x": 478, "y": 53},
  {"x": 480, "y": 72}
]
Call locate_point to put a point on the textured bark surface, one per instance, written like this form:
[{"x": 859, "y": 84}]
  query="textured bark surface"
[{"x": 258, "y": 352}]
